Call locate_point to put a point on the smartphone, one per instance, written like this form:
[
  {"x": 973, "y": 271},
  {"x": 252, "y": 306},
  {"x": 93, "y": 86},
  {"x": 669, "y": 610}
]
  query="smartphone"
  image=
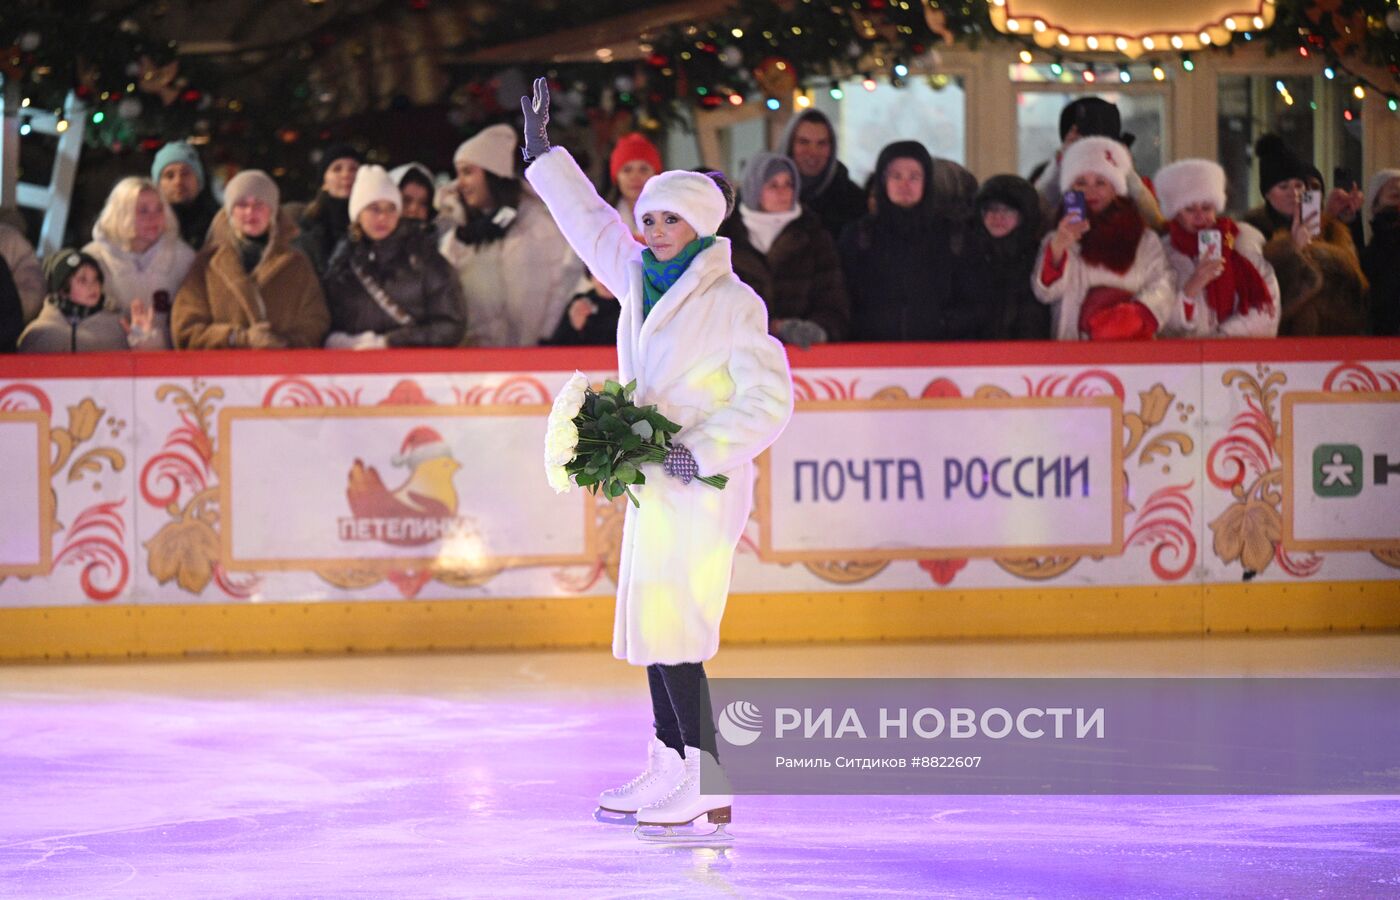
[
  {"x": 160, "y": 301},
  {"x": 1074, "y": 205},
  {"x": 1342, "y": 179},
  {"x": 1209, "y": 244},
  {"x": 1310, "y": 211}
]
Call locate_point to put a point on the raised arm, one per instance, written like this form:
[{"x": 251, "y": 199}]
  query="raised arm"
[{"x": 590, "y": 225}]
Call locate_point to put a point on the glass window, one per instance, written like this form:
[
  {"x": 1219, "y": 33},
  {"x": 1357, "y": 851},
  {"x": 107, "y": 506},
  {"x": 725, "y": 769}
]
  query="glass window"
[
  {"x": 931, "y": 110},
  {"x": 1308, "y": 112},
  {"x": 1038, "y": 125}
]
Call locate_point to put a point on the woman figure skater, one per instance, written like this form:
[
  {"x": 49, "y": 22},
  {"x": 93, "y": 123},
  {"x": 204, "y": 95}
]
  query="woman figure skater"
[{"x": 696, "y": 340}]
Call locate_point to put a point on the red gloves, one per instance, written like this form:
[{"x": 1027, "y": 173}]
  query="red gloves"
[{"x": 1111, "y": 314}]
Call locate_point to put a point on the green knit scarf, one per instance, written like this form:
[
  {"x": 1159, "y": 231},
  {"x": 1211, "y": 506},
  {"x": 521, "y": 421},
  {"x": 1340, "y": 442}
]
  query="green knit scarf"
[{"x": 659, "y": 276}]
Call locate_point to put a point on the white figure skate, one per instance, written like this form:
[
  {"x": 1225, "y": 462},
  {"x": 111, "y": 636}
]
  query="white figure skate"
[
  {"x": 664, "y": 770},
  {"x": 658, "y": 822}
]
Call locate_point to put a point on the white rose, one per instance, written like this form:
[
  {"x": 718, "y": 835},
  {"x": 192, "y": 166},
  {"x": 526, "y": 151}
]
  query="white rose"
[
  {"x": 561, "y": 442},
  {"x": 558, "y": 479},
  {"x": 569, "y": 400}
]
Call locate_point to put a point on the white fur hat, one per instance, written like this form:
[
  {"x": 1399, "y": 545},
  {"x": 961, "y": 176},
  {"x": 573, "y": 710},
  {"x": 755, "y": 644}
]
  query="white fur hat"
[
  {"x": 1373, "y": 190},
  {"x": 1097, "y": 156},
  {"x": 493, "y": 149},
  {"x": 691, "y": 195},
  {"x": 1189, "y": 181},
  {"x": 373, "y": 184}
]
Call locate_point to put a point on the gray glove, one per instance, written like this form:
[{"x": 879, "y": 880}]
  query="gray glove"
[
  {"x": 802, "y": 332},
  {"x": 536, "y": 122}
]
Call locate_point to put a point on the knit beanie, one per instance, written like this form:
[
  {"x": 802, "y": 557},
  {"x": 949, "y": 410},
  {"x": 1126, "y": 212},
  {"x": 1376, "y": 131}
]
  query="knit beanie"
[
  {"x": 338, "y": 151},
  {"x": 493, "y": 149},
  {"x": 1373, "y": 191},
  {"x": 633, "y": 147},
  {"x": 1093, "y": 117},
  {"x": 762, "y": 167},
  {"x": 690, "y": 195},
  {"x": 59, "y": 268},
  {"x": 373, "y": 184},
  {"x": 418, "y": 171},
  {"x": 181, "y": 152},
  {"x": 1097, "y": 156},
  {"x": 1187, "y": 182},
  {"x": 1278, "y": 163},
  {"x": 253, "y": 183}
]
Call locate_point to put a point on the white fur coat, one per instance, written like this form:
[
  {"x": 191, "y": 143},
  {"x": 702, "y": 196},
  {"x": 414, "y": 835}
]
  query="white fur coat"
[
  {"x": 705, "y": 358},
  {"x": 1148, "y": 279},
  {"x": 1192, "y": 317}
]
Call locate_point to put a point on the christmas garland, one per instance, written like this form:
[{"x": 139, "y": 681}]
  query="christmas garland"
[{"x": 139, "y": 92}]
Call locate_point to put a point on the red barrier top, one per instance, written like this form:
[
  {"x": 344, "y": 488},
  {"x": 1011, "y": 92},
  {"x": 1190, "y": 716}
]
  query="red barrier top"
[{"x": 599, "y": 359}]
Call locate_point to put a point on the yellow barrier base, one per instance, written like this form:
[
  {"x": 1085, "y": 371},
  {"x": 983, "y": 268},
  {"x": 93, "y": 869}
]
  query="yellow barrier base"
[{"x": 91, "y": 632}]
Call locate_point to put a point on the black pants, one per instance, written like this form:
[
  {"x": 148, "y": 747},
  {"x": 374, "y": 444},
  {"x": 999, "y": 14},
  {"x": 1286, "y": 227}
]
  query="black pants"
[{"x": 680, "y": 704}]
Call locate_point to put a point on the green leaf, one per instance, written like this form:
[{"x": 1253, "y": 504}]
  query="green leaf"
[
  {"x": 626, "y": 473},
  {"x": 631, "y": 442},
  {"x": 613, "y": 388},
  {"x": 585, "y": 480},
  {"x": 605, "y": 405},
  {"x": 614, "y": 427},
  {"x": 614, "y": 489},
  {"x": 630, "y": 388}
]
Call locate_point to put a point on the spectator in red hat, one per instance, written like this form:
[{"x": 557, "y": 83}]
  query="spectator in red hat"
[{"x": 633, "y": 162}]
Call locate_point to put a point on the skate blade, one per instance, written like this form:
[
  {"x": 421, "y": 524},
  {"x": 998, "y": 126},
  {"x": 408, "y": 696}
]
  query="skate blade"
[
  {"x": 614, "y": 817},
  {"x": 667, "y": 834},
  {"x": 656, "y": 833}
]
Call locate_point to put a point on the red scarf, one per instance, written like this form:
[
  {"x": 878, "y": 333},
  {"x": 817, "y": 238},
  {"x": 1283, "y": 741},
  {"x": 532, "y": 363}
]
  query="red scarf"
[
  {"x": 1240, "y": 288},
  {"x": 1113, "y": 236}
]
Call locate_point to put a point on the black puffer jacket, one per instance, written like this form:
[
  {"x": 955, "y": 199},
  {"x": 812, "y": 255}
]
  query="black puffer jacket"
[
  {"x": 410, "y": 270},
  {"x": 899, "y": 267},
  {"x": 994, "y": 274},
  {"x": 324, "y": 224},
  {"x": 1379, "y": 262}
]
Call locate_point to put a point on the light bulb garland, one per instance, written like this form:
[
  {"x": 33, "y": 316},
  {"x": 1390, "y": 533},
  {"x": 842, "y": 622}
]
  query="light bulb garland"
[{"x": 139, "y": 92}]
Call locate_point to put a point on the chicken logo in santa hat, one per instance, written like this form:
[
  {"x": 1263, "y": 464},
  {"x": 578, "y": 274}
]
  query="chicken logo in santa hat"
[{"x": 420, "y": 511}]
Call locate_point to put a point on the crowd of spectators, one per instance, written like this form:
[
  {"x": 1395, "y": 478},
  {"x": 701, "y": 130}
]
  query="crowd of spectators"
[{"x": 1087, "y": 249}]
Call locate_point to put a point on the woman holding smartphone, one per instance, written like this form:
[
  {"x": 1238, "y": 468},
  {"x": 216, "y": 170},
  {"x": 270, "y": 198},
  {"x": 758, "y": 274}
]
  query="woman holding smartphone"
[
  {"x": 1225, "y": 287},
  {"x": 1321, "y": 288},
  {"x": 1102, "y": 270}
]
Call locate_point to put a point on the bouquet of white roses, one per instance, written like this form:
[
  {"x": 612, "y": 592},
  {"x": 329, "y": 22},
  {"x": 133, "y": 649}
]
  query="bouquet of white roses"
[{"x": 600, "y": 441}]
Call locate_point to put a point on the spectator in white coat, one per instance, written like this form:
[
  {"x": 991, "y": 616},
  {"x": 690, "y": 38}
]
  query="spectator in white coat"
[
  {"x": 1230, "y": 291},
  {"x": 137, "y": 241},
  {"x": 1104, "y": 274},
  {"x": 516, "y": 269}
]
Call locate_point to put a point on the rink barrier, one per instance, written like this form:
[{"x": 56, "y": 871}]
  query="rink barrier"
[{"x": 938, "y": 595}]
